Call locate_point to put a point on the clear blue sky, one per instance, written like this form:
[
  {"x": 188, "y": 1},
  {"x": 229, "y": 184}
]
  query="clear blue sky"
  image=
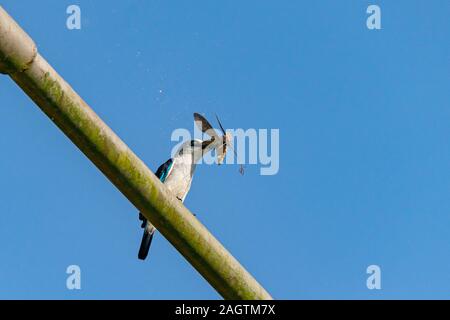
[{"x": 364, "y": 155}]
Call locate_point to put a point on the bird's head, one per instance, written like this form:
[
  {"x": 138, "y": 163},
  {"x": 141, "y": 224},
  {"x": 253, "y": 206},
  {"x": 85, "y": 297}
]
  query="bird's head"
[{"x": 193, "y": 150}]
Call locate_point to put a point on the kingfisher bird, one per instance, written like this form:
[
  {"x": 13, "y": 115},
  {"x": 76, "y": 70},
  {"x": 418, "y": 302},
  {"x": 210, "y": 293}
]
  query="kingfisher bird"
[{"x": 176, "y": 174}]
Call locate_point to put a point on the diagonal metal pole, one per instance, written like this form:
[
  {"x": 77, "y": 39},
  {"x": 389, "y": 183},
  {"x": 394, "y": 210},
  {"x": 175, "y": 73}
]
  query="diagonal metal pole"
[{"x": 21, "y": 61}]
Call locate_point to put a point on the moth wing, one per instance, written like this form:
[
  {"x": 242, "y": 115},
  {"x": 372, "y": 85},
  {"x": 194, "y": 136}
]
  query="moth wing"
[
  {"x": 204, "y": 125},
  {"x": 221, "y": 152}
]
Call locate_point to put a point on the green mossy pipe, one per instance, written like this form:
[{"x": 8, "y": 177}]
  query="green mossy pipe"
[
  {"x": 17, "y": 49},
  {"x": 123, "y": 168}
]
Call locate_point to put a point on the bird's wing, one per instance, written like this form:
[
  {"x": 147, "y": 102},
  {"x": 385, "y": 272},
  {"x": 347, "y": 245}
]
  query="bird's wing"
[{"x": 164, "y": 170}]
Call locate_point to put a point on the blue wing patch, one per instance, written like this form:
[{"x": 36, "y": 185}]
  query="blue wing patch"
[{"x": 164, "y": 170}]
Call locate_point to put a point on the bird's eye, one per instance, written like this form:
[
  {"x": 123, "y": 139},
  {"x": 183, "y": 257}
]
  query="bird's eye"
[{"x": 192, "y": 143}]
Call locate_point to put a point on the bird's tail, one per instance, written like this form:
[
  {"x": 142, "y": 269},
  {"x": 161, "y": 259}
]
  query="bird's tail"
[
  {"x": 149, "y": 231},
  {"x": 145, "y": 244}
]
